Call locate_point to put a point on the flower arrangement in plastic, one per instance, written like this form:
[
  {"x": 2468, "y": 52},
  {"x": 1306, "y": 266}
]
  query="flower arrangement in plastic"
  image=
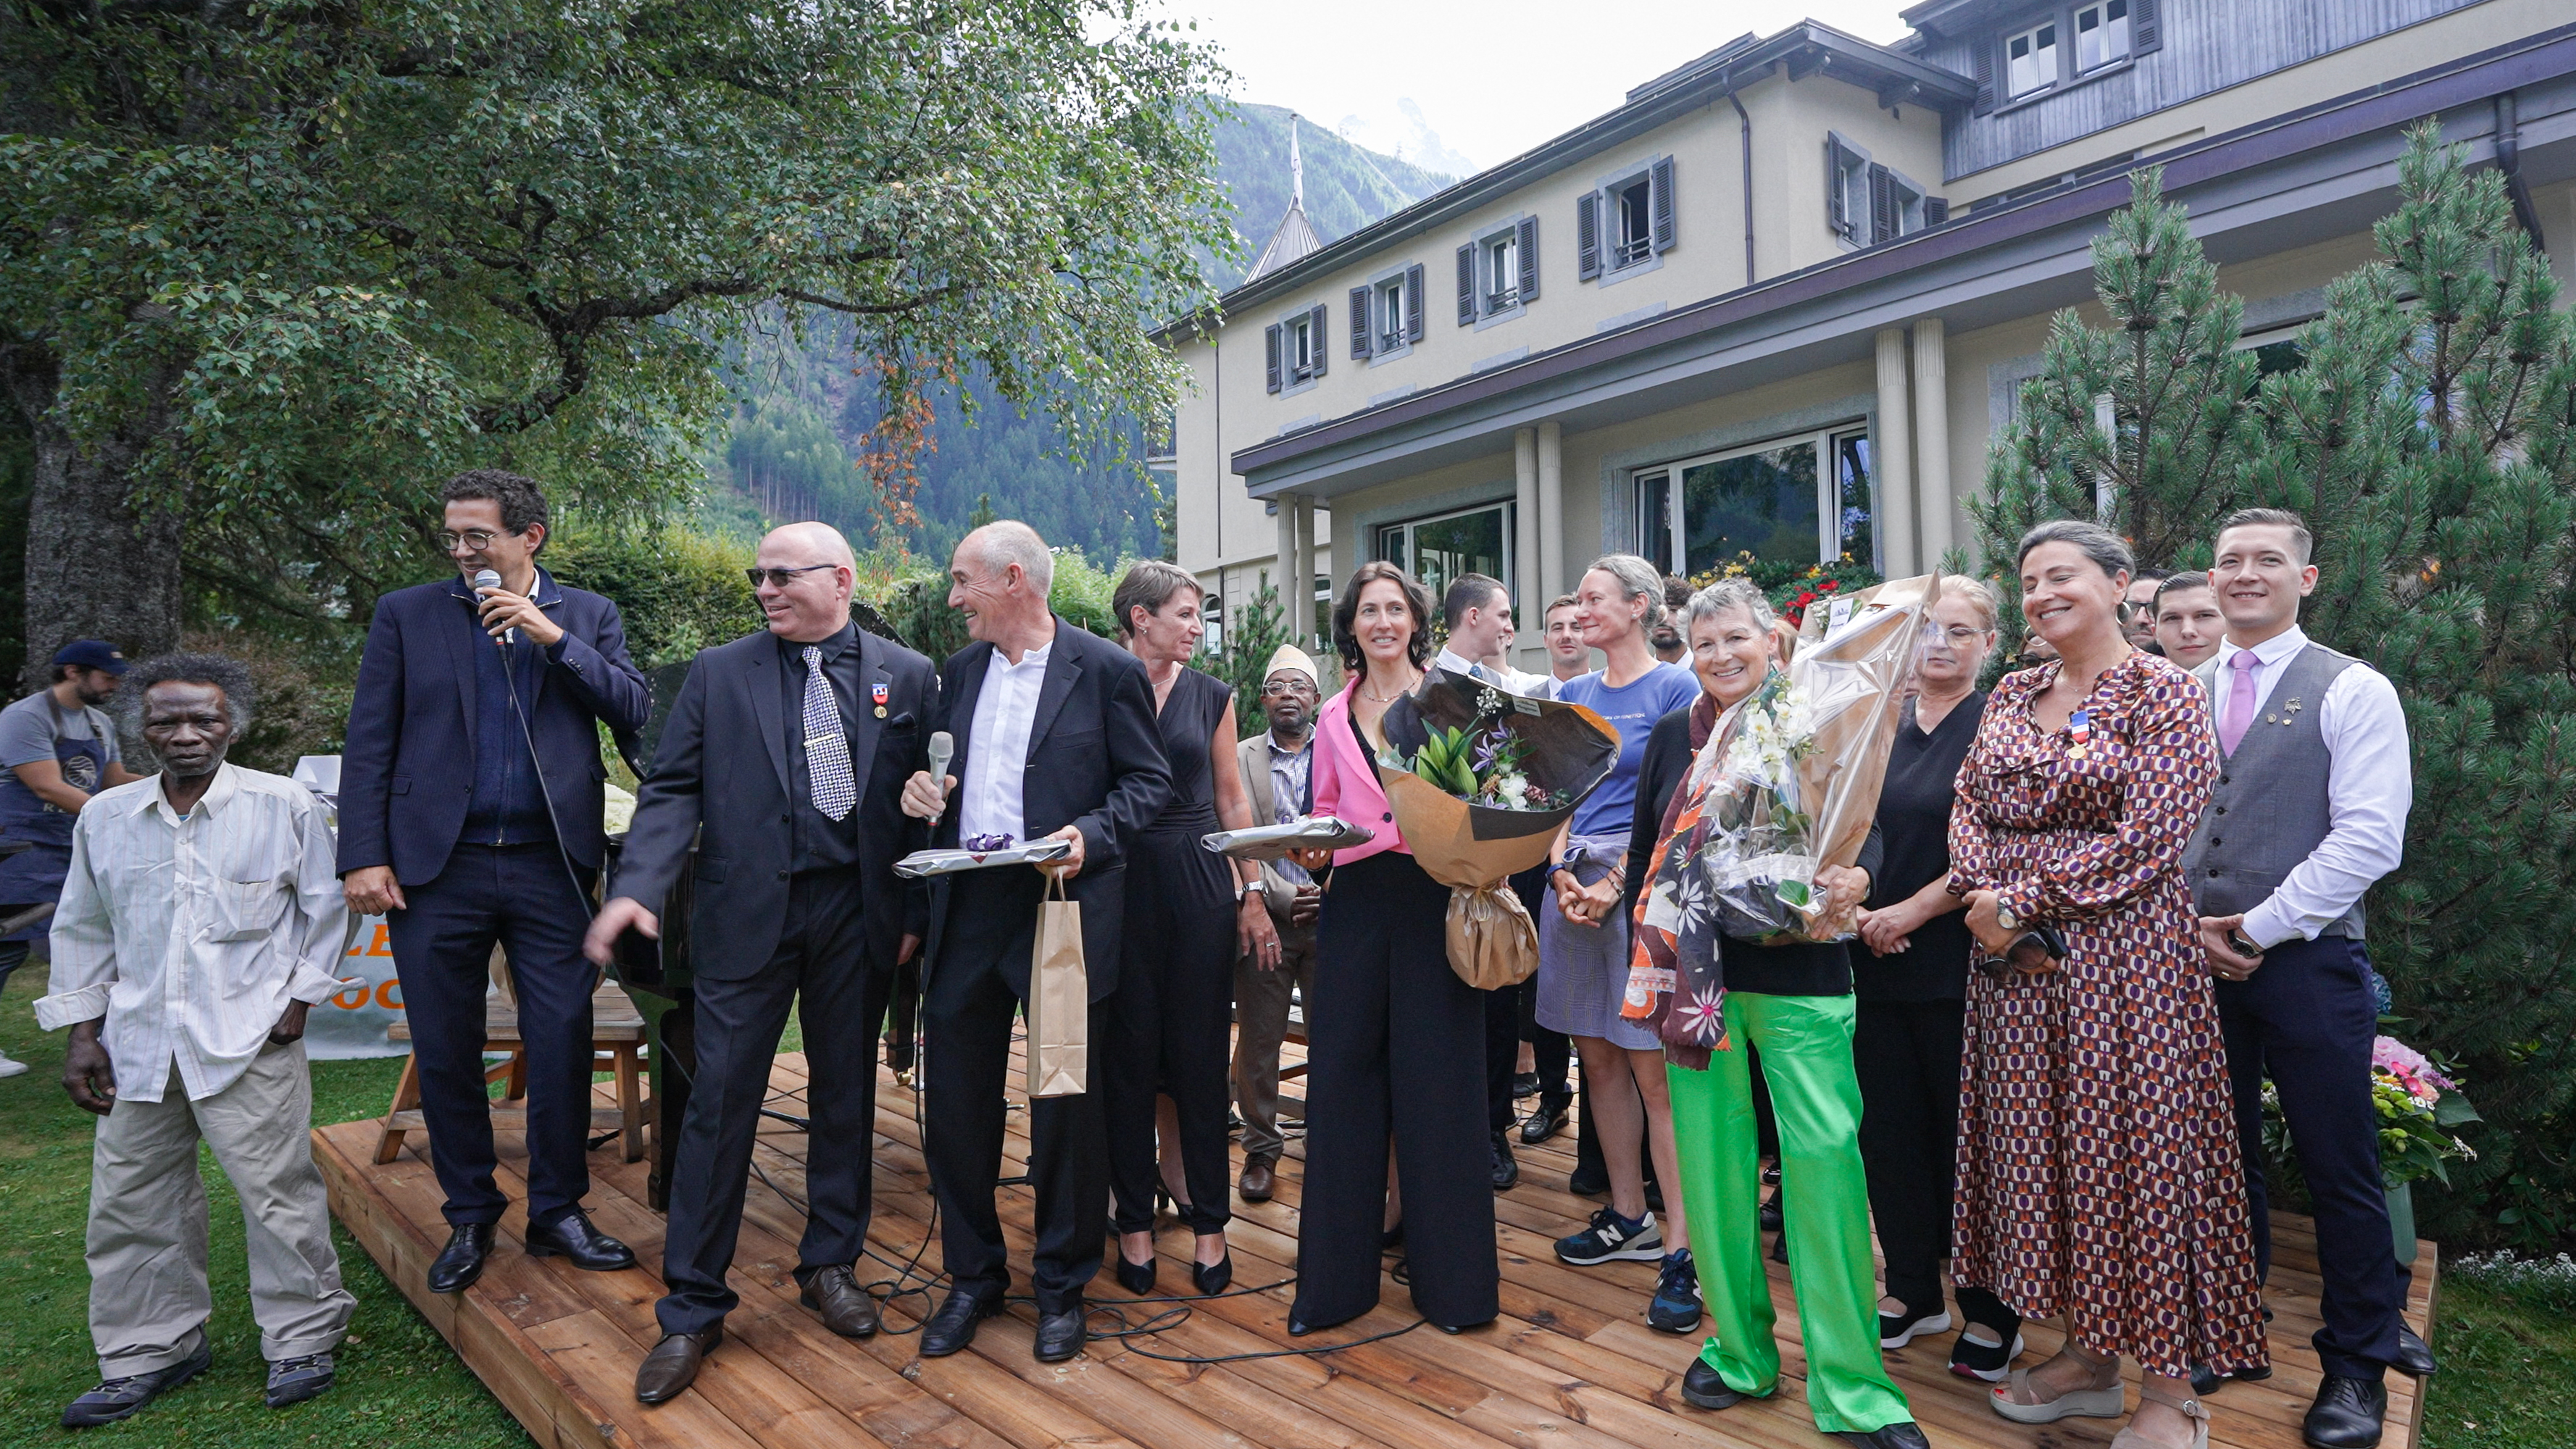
[
  {"x": 2417, "y": 1106},
  {"x": 1482, "y": 762}
]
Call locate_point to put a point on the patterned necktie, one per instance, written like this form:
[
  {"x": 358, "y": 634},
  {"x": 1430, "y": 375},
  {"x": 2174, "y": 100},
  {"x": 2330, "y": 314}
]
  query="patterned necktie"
[
  {"x": 827, "y": 750},
  {"x": 2240, "y": 702}
]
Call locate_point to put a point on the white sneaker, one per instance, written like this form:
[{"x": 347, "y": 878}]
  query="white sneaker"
[{"x": 10, "y": 1066}]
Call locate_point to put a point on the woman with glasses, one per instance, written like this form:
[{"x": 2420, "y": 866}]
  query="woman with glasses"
[
  {"x": 2098, "y": 1169},
  {"x": 1910, "y": 988},
  {"x": 1189, "y": 913}
]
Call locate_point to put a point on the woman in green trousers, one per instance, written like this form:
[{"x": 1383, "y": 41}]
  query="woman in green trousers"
[{"x": 1793, "y": 1004}]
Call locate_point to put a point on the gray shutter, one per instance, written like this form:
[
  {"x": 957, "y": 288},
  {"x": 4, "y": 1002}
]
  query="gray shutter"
[
  {"x": 1587, "y": 237},
  {"x": 1359, "y": 322},
  {"x": 1413, "y": 303},
  {"x": 1659, "y": 193},
  {"x": 1987, "y": 45},
  {"x": 1270, "y": 345},
  {"x": 2146, "y": 26},
  {"x": 1882, "y": 205},
  {"x": 1467, "y": 285},
  {"x": 1837, "y": 195},
  {"x": 1527, "y": 241},
  {"x": 1315, "y": 322},
  {"x": 1936, "y": 210}
]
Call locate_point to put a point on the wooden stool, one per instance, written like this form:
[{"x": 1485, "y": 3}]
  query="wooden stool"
[{"x": 617, "y": 1044}]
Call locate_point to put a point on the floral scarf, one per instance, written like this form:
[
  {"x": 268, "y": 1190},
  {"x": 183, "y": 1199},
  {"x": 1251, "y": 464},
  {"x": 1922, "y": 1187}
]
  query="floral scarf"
[{"x": 1676, "y": 979}]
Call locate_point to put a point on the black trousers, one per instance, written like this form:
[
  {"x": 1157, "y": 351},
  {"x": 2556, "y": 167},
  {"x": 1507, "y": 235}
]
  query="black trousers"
[
  {"x": 1167, "y": 1026},
  {"x": 1551, "y": 1052},
  {"x": 820, "y": 965},
  {"x": 1396, "y": 1045},
  {"x": 2306, "y": 1019},
  {"x": 1906, "y": 1054},
  {"x": 520, "y": 896},
  {"x": 1502, "y": 1053},
  {"x": 966, "y": 1013}
]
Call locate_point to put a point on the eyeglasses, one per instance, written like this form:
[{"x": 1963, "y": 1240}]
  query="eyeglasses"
[
  {"x": 477, "y": 539},
  {"x": 781, "y": 578},
  {"x": 1961, "y": 635},
  {"x": 1283, "y": 688}
]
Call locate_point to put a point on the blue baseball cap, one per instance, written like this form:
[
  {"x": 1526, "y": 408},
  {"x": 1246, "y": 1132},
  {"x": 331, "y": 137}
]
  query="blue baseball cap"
[{"x": 92, "y": 654}]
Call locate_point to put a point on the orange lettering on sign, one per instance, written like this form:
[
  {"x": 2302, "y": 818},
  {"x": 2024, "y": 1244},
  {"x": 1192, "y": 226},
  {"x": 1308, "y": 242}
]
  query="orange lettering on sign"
[
  {"x": 353, "y": 998},
  {"x": 389, "y": 993}
]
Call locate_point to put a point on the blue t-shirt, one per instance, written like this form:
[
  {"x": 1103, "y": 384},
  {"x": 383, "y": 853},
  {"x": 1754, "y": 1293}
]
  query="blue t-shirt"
[{"x": 1632, "y": 710}]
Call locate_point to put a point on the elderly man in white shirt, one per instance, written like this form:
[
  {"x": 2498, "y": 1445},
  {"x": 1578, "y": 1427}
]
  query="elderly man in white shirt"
[{"x": 198, "y": 925}]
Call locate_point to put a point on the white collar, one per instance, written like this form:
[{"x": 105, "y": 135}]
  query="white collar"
[
  {"x": 2266, "y": 654},
  {"x": 216, "y": 797}
]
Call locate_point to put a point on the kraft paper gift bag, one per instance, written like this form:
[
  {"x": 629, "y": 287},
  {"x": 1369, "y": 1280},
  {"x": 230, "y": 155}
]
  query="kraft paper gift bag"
[{"x": 1059, "y": 1052}]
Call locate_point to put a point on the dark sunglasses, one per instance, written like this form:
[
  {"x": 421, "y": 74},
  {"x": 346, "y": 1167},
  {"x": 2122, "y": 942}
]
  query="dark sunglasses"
[{"x": 781, "y": 578}]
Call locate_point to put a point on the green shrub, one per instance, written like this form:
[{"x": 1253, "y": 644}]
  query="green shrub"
[{"x": 678, "y": 592}]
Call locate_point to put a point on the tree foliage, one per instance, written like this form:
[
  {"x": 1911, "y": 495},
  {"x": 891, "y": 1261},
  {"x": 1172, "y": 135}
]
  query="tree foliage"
[{"x": 274, "y": 269}]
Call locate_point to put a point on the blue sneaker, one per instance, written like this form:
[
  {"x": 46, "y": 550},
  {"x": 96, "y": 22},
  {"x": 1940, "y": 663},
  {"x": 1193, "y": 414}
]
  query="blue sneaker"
[
  {"x": 1613, "y": 1237},
  {"x": 1676, "y": 1305}
]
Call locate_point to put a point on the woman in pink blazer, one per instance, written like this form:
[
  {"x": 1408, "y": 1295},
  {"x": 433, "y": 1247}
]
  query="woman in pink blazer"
[{"x": 1395, "y": 1041}]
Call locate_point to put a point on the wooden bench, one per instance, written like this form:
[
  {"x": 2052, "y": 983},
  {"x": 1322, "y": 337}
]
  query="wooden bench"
[{"x": 617, "y": 1039}]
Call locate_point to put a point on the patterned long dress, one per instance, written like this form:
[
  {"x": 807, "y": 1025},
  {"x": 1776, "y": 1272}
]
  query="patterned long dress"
[{"x": 2098, "y": 1167}]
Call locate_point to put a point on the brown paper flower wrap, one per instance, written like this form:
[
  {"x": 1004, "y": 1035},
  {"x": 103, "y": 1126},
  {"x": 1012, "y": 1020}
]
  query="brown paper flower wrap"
[{"x": 1472, "y": 848}]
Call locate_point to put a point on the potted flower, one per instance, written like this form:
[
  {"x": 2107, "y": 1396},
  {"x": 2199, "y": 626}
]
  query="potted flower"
[{"x": 2419, "y": 1107}]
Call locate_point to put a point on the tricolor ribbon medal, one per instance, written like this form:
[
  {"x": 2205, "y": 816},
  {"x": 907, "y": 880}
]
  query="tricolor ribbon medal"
[
  {"x": 2079, "y": 734},
  {"x": 878, "y": 694}
]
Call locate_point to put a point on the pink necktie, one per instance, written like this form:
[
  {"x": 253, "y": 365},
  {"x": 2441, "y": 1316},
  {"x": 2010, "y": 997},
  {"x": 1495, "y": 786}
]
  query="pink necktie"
[{"x": 2240, "y": 702}]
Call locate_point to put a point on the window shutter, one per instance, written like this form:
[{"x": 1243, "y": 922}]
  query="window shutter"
[
  {"x": 1587, "y": 237},
  {"x": 1467, "y": 285},
  {"x": 1270, "y": 345},
  {"x": 1413, "y": 303},
  {"x": 1660, "y": 203},
  {"x": 1527, "y": 241},
  {"x": 1936, "y": 210},
  {"x": 1986, "y": 47},
  {"x": 1837, "y": 195},
  {"x": 2146, "y": 26},
  {"x": 1315, "y": 321},
  {"x": 1882, "y": 205},
  {"x": 1359, "y": 322}
]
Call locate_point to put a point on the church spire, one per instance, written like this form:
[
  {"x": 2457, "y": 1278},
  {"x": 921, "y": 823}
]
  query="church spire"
[{"x": 1296, "y": 166}]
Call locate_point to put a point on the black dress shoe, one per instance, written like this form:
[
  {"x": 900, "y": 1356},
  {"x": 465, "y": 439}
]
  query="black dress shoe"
[
  {"x": 2347, "y": 1413},
  {"x": 953, "y": 1326},
  {"x": 1525, "y": 1084},
  {"x": 1770, "y": 1217},
  {"x": 572, "y": 1236},
  {"x": 1543, "y": 1124},
  {"x": 1702, "y": 1388},
  {"x": 847, "y": 1308},
  {"x": 1904, "y": 1434},
  {"x": 461, "y": 1261},
  {"x": 2205, "y": 1380},
  {"x": 1588, "y": 1182},
  {"x": 1213, "y": 1278},
  {"x": 1507, "y": 1168},
  {"x": 2414, "y": 1356},
  {"x": 123, "y": 1398},
  {"x": 672, "y": 1366},
  {"x": 1059, "y": 1335},
  {"x": 1136, "y": 1278}
]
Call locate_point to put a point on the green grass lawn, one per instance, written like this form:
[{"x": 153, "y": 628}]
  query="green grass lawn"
[{"x": 2508, "y": 1376}]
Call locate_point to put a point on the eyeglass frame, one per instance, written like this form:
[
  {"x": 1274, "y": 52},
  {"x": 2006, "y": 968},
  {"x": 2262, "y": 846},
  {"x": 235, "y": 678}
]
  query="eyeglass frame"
[
  {"x": 771, "y": 576},
  {"x": 448, "y": 539},
  {"x": 1282, "y": 688}
]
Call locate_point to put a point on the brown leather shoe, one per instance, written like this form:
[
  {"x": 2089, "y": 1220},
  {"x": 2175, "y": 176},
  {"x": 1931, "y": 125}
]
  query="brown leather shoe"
[
  {"x": 1257, "y": 1178},
  {"x": 847, "y": 1310},
  {"x": 673, "y": 1364}
]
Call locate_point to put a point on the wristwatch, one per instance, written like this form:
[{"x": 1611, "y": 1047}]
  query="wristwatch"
[{"x": 2005, "y": 918}]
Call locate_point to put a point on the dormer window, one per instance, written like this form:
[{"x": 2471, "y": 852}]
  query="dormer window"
[
  {"x": 2101, "y": 34},
  {"x": 2030, "y": 60}
]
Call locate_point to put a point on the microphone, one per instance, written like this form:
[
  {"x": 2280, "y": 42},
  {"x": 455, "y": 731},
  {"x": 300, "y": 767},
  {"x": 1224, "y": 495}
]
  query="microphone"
[
  {"x": 942, "y": 749},
  {"x": 487, "y": 579}
]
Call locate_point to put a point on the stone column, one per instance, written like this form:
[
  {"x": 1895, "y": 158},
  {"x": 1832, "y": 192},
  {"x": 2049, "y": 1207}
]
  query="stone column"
[
  {"x": 1551, "y": 509},
  {"x": 1932, "y": 438},
  {"x": 1529, "y": 597},
  {"x": 1891, "y": 456}
]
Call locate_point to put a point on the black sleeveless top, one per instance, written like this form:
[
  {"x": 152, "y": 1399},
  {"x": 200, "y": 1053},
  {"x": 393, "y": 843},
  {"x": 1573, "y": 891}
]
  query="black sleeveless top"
[{"x": 1188, "y": 721}]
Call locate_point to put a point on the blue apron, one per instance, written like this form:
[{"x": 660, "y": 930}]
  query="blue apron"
[{"x": 35, "y": 875}]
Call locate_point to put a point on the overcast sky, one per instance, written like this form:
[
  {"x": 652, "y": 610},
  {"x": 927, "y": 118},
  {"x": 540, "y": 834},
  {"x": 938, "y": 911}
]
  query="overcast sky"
[{"x": 1460, "y": 86}]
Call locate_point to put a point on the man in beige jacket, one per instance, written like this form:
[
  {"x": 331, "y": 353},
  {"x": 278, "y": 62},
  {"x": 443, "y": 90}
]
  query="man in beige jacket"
[{"x": 1275, "y": 765}]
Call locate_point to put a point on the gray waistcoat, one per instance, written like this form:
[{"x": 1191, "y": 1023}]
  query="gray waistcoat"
[{"x": 2269, "y": 810}]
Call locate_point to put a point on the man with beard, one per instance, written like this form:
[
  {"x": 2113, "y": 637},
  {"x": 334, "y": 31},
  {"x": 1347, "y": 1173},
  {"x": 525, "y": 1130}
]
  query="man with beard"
[{"x": 1276, "y": 766}]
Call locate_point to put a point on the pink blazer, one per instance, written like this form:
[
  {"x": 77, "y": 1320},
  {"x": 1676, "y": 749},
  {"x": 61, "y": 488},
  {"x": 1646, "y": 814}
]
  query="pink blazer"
[{"x": 1345, "y": 782}]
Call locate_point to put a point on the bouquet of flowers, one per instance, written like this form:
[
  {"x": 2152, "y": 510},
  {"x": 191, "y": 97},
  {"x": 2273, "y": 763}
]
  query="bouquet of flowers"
[
  {"x": 2418, "y": 1106},
  {"x": 1483, "y": 762}
]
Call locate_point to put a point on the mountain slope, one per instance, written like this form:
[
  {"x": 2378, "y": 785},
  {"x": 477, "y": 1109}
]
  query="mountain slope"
[{"x": 1347, "y": 186}]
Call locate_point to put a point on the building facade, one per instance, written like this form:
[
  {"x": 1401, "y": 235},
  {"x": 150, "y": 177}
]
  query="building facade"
[{"x": 1782, "y": 298}]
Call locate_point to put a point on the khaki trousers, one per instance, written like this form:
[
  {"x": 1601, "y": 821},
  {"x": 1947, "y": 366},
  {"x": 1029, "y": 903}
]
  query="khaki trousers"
[
  {"x": 1260, "y": 1025},
  {"x": 148, "y": 1300}
]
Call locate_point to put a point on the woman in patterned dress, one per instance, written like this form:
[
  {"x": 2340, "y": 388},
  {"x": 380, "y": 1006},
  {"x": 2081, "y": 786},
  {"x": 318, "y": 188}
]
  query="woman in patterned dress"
[{"x": 2098, "y": 1168}]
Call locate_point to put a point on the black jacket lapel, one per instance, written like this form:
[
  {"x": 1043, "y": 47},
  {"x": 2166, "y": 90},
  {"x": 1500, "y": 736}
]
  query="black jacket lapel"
[
  {"x": 866, "y": 725},
  {"x": 759, "y": 675},
  {"x": 463, "y": 634},
  {"x": 1063, "y": 672}
]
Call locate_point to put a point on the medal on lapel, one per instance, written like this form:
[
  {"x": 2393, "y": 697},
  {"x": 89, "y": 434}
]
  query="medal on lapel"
[
  {"x": 878, "y": 693},
  {"x": 2079, "y": 734}
]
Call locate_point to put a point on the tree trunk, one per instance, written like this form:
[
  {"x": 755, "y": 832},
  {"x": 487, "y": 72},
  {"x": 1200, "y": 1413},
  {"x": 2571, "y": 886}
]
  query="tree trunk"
[{"x": 97, "y": 567}]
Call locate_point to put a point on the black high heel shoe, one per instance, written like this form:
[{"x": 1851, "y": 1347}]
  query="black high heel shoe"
[
  {"x": 1137, "y": 1278},
  {"x": 1213, "y": 1278}
]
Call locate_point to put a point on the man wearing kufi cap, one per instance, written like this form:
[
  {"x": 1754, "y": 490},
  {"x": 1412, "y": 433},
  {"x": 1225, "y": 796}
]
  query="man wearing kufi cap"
[{"x": 1275, "y": 765}]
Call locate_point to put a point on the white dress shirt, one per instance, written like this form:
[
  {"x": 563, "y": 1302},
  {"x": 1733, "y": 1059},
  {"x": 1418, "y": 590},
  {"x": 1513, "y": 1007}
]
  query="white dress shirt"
[
  {"x": 191, "y": 933},
  {"x": 1533, "y": 686},
  {"x": 997, "y": 760},
  {"x": 2370, "y": 786}
]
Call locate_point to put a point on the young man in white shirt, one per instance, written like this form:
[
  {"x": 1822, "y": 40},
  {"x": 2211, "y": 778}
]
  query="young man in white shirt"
[
  {"x": 2309, "y": 810},
  {"x": 1568, "y": 657},
  {"x": 199, "y": 923},
  {"x": 1478, "y": 614}
]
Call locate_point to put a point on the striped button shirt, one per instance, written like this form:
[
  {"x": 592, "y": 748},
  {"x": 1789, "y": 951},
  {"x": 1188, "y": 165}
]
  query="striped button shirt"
[{"x": 191, "y": 933}]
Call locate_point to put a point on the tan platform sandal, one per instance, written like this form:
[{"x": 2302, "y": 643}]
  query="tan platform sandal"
[
  {"x": 2103, "y": 1401},
  {"x": 2192, "y": 1408}
]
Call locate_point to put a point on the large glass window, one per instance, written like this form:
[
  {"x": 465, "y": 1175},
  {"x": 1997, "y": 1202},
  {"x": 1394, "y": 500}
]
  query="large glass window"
[
  {"x": 1438, "y": 549},
  {"x": 1801, "y": 499}
]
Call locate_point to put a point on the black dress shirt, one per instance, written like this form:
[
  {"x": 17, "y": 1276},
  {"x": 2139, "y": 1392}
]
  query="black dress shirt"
[{"x": 822, "y": 843}]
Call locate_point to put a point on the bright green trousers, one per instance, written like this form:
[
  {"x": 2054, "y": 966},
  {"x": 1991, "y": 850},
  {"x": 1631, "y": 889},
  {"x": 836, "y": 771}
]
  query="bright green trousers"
[{"x": 1806, "y": 1046}]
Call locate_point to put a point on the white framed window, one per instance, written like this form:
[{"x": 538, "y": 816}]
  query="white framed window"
[
  {"x": 2101, "y": 34},
  {"x": 1302, "y": 350},
  {"x": 1502, "y": 273},
  {"x": 1438, "y": 548},
  {"x": 1629, "y": 222},
  {"x": 1847, "y": 190},
  {"x": 1498, "y": 271},
  {"x": 1802, "y": 499},
  {"x": 1389, "y": 306},
  {"x": 1294, "y": 349},
  {"x": 1632, "y": 227},
  {"x": 2030, "y": 59}
]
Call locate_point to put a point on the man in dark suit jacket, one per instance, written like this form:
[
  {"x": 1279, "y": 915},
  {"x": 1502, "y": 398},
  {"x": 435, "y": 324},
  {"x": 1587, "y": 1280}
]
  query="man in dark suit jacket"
[
  {"x": 797, "y": 836},
  {"x": 1055, "y": 739},
  {"x": 470, "y": 799}
]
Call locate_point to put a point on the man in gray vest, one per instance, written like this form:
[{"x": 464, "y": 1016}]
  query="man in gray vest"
[{"x": 2309, "y": 810}]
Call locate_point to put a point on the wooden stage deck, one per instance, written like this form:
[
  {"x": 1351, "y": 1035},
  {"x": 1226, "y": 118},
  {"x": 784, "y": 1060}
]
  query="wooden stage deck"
[{"x": 1571, "y": 1364}]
